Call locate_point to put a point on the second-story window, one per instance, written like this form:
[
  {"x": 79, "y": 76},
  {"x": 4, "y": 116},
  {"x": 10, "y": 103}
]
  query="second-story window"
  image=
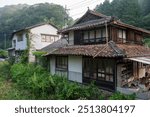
[
  {"x": 49, "y": 38},
  {"x": 122, "y": 35},
  {"x": 19, "y": 37},
  {"x": 94, "y": 36}
]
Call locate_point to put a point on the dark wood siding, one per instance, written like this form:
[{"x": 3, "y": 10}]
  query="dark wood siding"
[
  {"x": 132, "y": 36},
  {"x": 77, "y": 37}
]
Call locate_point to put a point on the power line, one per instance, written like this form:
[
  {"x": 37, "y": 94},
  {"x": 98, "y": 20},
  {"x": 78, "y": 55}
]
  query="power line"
[
  {"x": 77, "y": 3},
  {"x": 84, "y": 4},
  {"x": 89, "y": 4}
]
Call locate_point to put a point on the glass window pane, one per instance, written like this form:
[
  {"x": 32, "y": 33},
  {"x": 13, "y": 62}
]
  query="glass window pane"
[
  {"x": 98, "y": 33},
  {"x": 120, "y": 33},
  {"x": 92, "y": 33},
  {"x": 86, "y": 35},
  {"x": 104, "y": 32}
]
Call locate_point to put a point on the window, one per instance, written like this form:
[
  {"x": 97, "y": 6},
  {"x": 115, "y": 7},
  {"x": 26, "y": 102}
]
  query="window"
[
  {"x": 61, "y": 62},
  {"x": 94, "y": 36},
  {"x": 138, "y": 37},
  {"x": 86, "y": 35},
  {"x": 98, "y": 69},
  {"x": 49, "y": 38},
  {"x": 105, "y": 70},
  {"x": 122, "y": 35},
  {"x": 19, "y": 37},
  {"x": 62, "y": 66},
  {"x": 98, "y": 33}
]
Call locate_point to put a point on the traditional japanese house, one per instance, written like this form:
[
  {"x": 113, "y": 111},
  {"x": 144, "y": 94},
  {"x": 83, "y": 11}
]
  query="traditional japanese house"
[{"x": 101, "y": 49}]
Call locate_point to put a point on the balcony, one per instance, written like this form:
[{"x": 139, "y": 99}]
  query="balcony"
[{"x": 101, "y": 40}]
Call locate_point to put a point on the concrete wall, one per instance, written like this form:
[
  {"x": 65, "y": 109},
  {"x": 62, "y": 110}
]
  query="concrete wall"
[
  {"x": 20, "y": 45},
  {"x": 52, "y": 65},
  {"x": 75, "y": 68},
  {"x": 36, "y": 35}
]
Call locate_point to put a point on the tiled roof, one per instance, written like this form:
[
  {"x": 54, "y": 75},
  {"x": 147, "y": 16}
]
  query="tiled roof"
[
  {"x": 119, "y": 23},
  {"x": 134, "y": 50},
  {"x": 88, "y": 24},
  {"x": 104, "y": 50},
  {"x": 100, "y": 22},
  {"x": 33, "y": 26},
  {"x": 57, "y": 44}
]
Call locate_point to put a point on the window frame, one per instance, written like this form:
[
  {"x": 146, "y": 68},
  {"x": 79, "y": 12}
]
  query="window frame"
[
  {"x": 89, "y": 72},
  {"x": 95, "y": 38},
  {"x": 61, "y": 63},
  {"x": 49, "y": 38},
  {"x": 19, "y": 37},
  {"x": 123, "y": 36}
]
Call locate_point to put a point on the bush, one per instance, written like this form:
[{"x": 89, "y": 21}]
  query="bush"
[
  {"x": 42, "y": 85},
  {"x": 65, "y": 89},
  {"x": 34, "y": 78},
  {"x": 147, "y": 41},
  {"x": 5, "y": 70},
  {"x": 3, "y": 54},
  {"x": 120, "y": 96}
]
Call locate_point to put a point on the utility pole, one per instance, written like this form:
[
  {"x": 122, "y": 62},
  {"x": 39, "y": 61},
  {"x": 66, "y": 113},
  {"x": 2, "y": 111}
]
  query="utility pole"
[{"x": 66, "y": 16}]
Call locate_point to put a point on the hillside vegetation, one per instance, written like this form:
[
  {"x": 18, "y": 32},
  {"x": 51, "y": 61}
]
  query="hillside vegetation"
[
  {"x": 16, "y": 17},
  {"x": 135, "y": 12}
]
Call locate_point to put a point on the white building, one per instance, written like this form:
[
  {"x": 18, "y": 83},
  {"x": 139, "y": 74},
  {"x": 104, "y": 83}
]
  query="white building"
[{"x": 34, "y": 37}]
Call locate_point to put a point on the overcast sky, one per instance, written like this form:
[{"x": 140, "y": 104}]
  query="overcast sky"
[{"x": 77, "y": 7}]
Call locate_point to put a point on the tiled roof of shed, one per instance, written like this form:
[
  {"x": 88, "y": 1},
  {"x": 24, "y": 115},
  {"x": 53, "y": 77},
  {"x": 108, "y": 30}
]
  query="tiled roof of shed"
[
  {"x": 134, "y": 50},
  {"x": 53, "y": 46}
]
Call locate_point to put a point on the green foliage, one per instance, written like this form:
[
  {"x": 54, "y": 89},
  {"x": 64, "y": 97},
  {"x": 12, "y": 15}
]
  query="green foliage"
[
  {"x": 119, "y": 96},
  {"x": 9, "y": 91},
  {"x": 3, "y": 54},
  {"x": 39, "y": 53},
  {"x": 40, "y": 59},
  {"x": 66, "y": 90},
  {"x": 5, "y": 70},
  {"x": 28, "y": 15},
  {"x": 29, "y": 81},
  {"x": 134, "y": 12},
  {"x": 70, "y": 90},
  {"x": 23, "y": 58},
  {"x": 147, "y": 41},
  {"x": 34, "y": 78}
]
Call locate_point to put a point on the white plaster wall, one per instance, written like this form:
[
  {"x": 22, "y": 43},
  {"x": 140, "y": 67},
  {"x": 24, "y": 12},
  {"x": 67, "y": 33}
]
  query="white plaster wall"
[
  {"x": 52, "y": 65},
  {"x": 75, "y": 68},
  {"x": 71, "y": 38},
  {"x": 36, "y": 35},
  {"x": 21, "y": 45}
]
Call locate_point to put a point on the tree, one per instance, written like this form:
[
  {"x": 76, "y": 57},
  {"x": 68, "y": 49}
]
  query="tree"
[
  {"x": 126, "y": 10},
  {"x": 17, "y": 17}
]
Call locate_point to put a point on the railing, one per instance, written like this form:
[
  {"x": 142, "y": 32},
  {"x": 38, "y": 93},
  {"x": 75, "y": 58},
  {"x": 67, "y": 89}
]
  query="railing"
[{"x": 94, "y": 41}]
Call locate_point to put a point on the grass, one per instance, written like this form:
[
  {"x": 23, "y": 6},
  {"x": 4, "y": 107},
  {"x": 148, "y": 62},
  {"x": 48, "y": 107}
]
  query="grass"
[{"x": 51, "y": 87}]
